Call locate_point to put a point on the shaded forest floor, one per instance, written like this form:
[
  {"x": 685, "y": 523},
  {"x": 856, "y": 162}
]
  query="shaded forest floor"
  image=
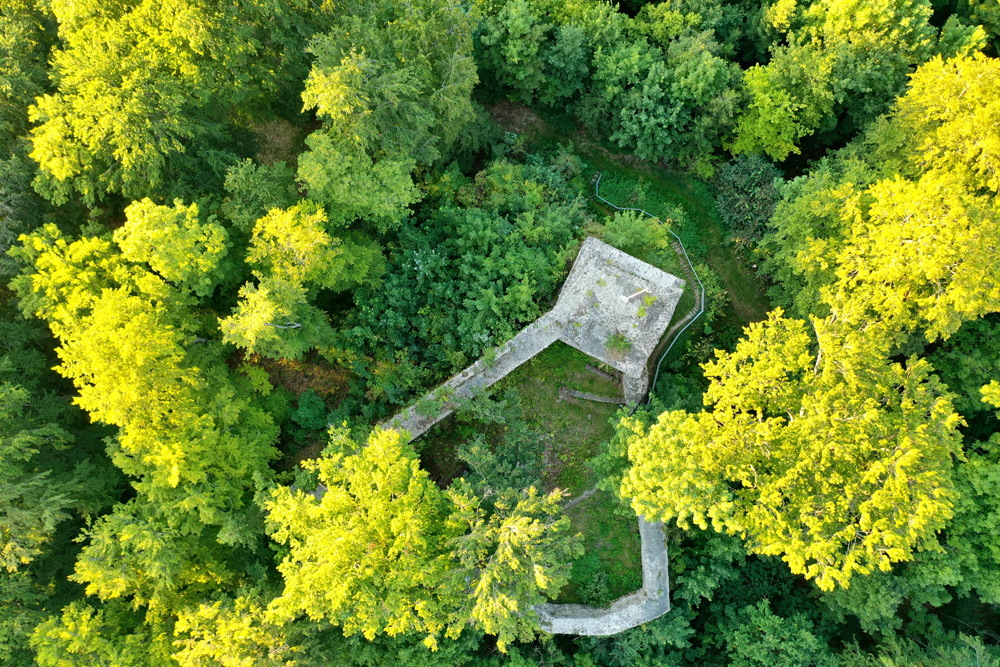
[{"x": 572, "y": 430}]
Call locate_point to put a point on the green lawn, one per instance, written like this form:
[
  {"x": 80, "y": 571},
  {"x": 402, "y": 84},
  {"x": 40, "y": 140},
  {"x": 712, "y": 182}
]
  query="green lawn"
[
  {"x": 610, "y": 566},
  {"x": 573, "y": 429}
]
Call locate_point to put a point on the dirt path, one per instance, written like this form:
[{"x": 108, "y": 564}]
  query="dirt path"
[{"x": 739, "y": 281}]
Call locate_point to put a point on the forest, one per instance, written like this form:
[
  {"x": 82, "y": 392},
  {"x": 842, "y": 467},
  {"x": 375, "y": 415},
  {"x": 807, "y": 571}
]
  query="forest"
[{"x": 238, "y": 236}]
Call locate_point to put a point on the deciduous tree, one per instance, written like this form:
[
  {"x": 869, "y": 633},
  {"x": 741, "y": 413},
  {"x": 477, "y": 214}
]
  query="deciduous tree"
[
  {"x": 133, "y": 554},
  {"x": 393, "y": 88},
  {"x": 175, "y": 243},
  {"x": 26, "y": 35},
  {"x": 110, "y": 634},
  {"x": 841, "y": 67},
  {"x": 128, "y": 342},
  {"x": 254, "y": 189},
  {"x": 832, "y": 457},
  {"x": 657, "y": 102},
  {"x": 143, "y": 91},
  {"x": 380, "y": 549},
  {"x": 924, "y": 254},
  {"x": 761, "y": 637},
  {"x": 950, "y": 117},
  {"x": 231, "y": 633},
  {"x": 369, "y": 554},
  {"x": 514, "y": 39},
  {"x": 291, "y": 252}
]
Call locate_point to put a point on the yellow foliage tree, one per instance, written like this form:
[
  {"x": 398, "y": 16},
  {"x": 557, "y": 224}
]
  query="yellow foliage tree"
[{"x": 821, "y": 452}]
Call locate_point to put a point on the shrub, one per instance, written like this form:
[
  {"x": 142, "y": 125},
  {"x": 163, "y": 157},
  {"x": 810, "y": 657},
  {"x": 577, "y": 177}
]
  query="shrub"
[
  {"x": 311, "y": 412},
  {"x": 618, "y": 343},
  {"x": 429, "y": 406},
  {"x": 746, "y": 197},
  {"x": 636, "y": 233}
]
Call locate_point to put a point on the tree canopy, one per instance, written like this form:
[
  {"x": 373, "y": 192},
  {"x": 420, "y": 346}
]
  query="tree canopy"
[
  {"x": 237, "y": 238},
  {"x": 379, "y": 548},
  {"x": 771, "y": 462}
]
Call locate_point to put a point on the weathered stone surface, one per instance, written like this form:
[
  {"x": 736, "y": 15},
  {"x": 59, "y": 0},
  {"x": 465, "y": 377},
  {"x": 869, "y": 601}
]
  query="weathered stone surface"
[
  {"x": 594, "y": 304},
  {"x": 610, "y": 292},
  {"x": 530, "y": 341},
  {"x": 636, "y": 386}
]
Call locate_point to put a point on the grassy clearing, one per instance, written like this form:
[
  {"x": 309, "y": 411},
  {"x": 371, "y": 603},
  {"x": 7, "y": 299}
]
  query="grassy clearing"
[
  {"x": 663, "y": 193},
  {"x": 279, "y": 141},
  {"x": 611, "y": 565},
  {"x": 573, "y": 429}
]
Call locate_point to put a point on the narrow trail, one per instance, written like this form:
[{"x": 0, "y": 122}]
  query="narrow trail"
[{"x": 695, "y": 311}]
